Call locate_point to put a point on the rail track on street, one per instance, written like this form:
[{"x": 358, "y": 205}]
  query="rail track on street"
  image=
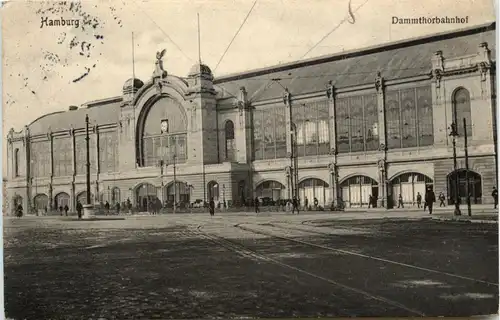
[{"x": 246, "y": 251}]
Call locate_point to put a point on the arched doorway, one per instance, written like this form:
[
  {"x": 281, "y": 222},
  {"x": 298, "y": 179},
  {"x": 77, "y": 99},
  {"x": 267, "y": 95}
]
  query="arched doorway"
[
  {"x": 145, "y": 195},
  {"x": 115, "y": 195},
  {"x": 41, "y": 201},
  {"x": 62, "y": 199},
  {"x": 242, "y": 192},
  {"x": 82, "y": 197},
  {"x": 409, "y": 185},
  {"x": 270, "y": 190},
  {"x": 356, "y": 191},
  {"x": 181, "y": 193},
  {"x": 313, "y": 188},
  {"x": 475, "y": 186},
  {"x": 213, "y": 190}
]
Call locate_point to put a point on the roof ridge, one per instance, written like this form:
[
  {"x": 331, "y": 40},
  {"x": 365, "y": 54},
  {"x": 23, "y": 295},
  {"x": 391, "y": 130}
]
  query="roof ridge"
[{"x": 357, "y": 52}]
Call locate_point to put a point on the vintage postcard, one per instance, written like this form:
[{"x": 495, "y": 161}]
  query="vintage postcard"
[{"x": 237, "y": 159}]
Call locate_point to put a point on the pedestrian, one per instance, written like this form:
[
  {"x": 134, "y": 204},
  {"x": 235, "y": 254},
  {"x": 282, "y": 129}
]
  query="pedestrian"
[
  {"x": 61, "y": 210},
  {"x": 106, "y": 207},
  {"x": 19, "y": 211},
  {"x": 295, "y": 205},
  {"x": 370, "y": 201},
  {"x": 400, "y": 201},
  {"x": 66, "y": 209},
  {"x": 256, "y": 204},
  {"x": 306, "y": 204},
  {"x": 419, "y": 199},
  {"x": 430, "y": 198},
  {"x": 129, "y": 206},
  {"x": 494, "y": 194},
  {"x": 118, "y": 208},
  {"x": 441, "y": 199},
  {"x": 79, "y": 208},
  {"x": 211, "y": 207},
  {"x": 316, "y": 202}
]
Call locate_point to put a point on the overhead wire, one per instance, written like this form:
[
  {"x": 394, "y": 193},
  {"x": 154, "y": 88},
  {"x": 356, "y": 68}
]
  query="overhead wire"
[
  {"x": 349, "y": 16},
  {"x": 236, "y": 34}
]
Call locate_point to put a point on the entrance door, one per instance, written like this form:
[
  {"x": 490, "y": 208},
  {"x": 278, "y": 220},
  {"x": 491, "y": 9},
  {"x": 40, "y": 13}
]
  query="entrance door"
[{"x": 475, "y": 186}]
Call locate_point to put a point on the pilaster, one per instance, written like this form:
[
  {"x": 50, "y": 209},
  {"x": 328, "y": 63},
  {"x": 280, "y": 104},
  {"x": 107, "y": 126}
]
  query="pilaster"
[
  {"x": 287, "y": 100},
  {"x": 441, "y": 106},
  {"x": 244, "y": 128},
  {"x": 382, "y": 155}
]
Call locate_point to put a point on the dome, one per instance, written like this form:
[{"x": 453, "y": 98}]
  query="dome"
[
  {"x": 199, "y": 68},
  {"x": 137, "y": 83}
]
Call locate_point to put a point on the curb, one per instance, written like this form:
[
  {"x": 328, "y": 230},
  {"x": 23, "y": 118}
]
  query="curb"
[{"x": 464, "y": 220}]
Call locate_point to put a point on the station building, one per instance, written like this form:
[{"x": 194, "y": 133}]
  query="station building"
[{"x": 367, "y": 122}]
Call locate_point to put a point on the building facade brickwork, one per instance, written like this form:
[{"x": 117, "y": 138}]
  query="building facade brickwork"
[{"x": 368, "y": 122}]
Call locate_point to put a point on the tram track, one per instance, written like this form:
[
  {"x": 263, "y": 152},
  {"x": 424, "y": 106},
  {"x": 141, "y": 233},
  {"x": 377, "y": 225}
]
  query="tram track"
[
  {"x": 357, "y": 254},
  {"x": 246, "y": 251}
]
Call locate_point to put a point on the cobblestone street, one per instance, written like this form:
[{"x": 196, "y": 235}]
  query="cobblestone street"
[{"x": 230, "y": 266}]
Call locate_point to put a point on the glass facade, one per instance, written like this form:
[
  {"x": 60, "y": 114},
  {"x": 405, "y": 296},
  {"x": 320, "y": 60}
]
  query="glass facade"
[
  {"x": 409, "y": 117},
  {"x": 40, "y": 159},
  {"x": 312, "y": 124},
  {"x": 63, "y": 158},
  {"x": 357, "y": 123},
  {"x": 269, "y": 133},
  {"x": 108, "y": 151}
]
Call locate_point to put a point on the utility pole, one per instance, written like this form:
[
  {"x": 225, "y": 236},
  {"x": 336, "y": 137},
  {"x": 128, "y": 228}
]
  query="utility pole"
[
  {"x": 87, "y": 141},
  {"x": 469, "y": 209},
  {"x": 454, "y": 135}
]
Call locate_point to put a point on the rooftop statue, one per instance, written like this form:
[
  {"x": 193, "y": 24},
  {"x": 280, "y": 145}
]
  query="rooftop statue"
[{"x": 159, "y": 71}]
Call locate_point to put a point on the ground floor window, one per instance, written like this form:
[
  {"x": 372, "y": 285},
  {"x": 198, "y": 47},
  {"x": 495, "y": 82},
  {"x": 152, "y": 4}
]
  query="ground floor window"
[
  {"x": 409, "y": 185},
  {"x": 41, "y": 201},
  {"x": 213, "y": 191},
  {"x": 459, "y": 179},
  {"x": 146, "y": 197},
  {"x": 181, "y": 193},
  {"x": 62, "y": 200},
  {"x": 313, "y": 188},
  {"x": 356, "y": 191},
  {"x": 270, "y": 191}
]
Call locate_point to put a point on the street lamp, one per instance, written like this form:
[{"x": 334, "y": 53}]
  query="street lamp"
[
  {"x": 294, "y": 162},
  {"x": 454, "y": 135}
]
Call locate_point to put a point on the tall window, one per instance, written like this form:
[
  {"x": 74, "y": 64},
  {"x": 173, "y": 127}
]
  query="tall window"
[
  {"x": 81, "y": 154},
  {"x": 409, "y": 120},
  {"x": 16, "y": 162},
  {"x": 357, "y": 123},
  {"x": 164, "y": 133},
  {"x": 311, "y": 123},
  {"x": 40, "y": 159},
  {"x": 461, "y": 110},
  {"x": 269, "y": 133},
  {"x": 230, "y": 142},
  {"x": 108, "y": 151},
  {"x": 63, "y": 157}
]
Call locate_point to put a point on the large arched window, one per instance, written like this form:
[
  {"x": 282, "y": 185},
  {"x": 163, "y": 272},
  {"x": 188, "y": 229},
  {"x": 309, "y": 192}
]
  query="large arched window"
[
  {"x": 475, "y": 186},
  {"x": 181, "y": 193},
  {"x": 41, "y": 201},
  {"x": 115, "y": 195},
  {"x": 356, "y": 191},
  {"x": 313, "y": 188},
  {"x": 409, "y": 185},
  {"x": 82, "y": 197},
  {"x": 230, "y": 142},
  {"x": 145, "y": 195},
  {"x": 62, "y": 199},
  {"x": 16, "y": 162},
  {"x": 213, "y": 191},
  {"x": 271, "y": 189},
  {"x": 163, "y": 133},
  {"x": 461, "y": 110}
]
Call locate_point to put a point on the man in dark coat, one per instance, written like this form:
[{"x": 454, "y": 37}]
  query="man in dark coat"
[
  {"x": 295, "y": 205},
  {"x": 19, "y": 211},
  {"x": 66, "y": 209},
  {"x": 430, "y": 198},
  {"x": 211, "y": 207},
  {"x": 118, "y": 208},
  {"x": 494, "y": 194},
  {"x": 256, "y": 204},
  {"x": 79, "y": 209}
]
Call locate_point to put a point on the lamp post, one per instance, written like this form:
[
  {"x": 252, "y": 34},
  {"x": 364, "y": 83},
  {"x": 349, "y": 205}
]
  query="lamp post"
[
  {"x": 189, "y": 187},
  {"x": 466, "y": 150},
  {"x": 223, "y": 195},
  {"x": 88, "y": 211},
  {"x": 294, "y": 162},
  {"x": 454, "y": 135},
  {"x": 175, "y": 184}
]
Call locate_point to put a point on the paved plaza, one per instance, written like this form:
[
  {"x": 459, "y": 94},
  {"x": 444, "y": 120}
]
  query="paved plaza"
[{"x": 246, "y": 265}]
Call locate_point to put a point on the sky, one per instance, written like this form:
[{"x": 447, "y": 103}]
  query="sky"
[{"x": 49, "y": 68}]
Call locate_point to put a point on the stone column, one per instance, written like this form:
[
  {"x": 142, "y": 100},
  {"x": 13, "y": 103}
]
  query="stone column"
[
  {"x": 441, "y": 107},
  {"x": 382, "y": 155}
]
